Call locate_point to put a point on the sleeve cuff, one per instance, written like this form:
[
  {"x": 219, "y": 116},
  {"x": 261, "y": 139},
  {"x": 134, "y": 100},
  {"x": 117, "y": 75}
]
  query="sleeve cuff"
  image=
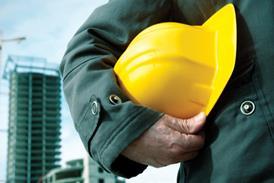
[{"x": 129, "y": 129}]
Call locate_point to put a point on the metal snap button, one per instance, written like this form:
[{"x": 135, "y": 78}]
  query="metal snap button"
[
  {"x": 114, "y": 99},
  {"x": 94, "y": 107},
  {"x": 247, "y": 107}
]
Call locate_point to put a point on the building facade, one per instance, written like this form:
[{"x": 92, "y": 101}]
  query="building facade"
[
  {"x": 93, "y": 173},
  {"x": 81, "y": 171},
  {"x": 34, "y": 119},
  {"x": 72, "y": 173}
]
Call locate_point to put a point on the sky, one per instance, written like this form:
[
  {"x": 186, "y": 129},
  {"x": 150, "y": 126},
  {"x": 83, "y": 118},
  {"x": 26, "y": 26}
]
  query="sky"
[{"x": 48, "y": 25}]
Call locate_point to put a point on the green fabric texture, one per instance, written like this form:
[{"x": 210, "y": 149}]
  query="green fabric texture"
[
  {"x": 87, "y": 70},
  {"x": 238, "y": 147}
]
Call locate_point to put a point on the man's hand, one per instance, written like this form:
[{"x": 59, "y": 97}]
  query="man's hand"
[{"x": 170, "y": 140}]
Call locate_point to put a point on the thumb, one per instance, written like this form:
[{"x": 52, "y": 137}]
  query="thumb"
[{"x": 194, "y": 124}]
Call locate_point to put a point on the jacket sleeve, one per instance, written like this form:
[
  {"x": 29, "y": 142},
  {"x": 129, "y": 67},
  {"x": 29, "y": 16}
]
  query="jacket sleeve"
[{"x": 88, "y": 80}]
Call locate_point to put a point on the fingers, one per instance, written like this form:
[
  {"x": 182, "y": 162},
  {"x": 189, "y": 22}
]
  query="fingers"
[
  {"x": 168, "y": 141},
  {"x": 188, "y": 126},
  {"x": 189, "y": 142},
  {"x": 182, "y": 147},
  {"x": 196, "y": 123}
]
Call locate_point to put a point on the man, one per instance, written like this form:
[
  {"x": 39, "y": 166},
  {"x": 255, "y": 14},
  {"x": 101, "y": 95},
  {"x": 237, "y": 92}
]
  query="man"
[{"x": 124, "y": 137}]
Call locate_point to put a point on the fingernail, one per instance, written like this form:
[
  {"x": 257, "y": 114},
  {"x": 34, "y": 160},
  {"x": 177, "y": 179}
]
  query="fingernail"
[{"x": 200, "y": 117}]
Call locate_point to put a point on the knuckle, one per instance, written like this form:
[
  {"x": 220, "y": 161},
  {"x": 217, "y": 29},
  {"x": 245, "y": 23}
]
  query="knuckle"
[
  {"x": 160, "y": 128},
  {"x": 173, "y": 121},
  {"x": 175, "y": 150},
  {"x": 174, "y": 154},
  {"x": 172, "y": 143}
]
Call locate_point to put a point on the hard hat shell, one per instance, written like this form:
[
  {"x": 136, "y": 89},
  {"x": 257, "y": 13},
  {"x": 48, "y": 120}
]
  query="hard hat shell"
[{"x": 180, "y": 69}]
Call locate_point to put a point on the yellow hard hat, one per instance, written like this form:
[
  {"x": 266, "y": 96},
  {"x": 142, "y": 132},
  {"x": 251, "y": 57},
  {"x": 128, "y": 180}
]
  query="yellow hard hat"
[{"x": 180, "y": 69}]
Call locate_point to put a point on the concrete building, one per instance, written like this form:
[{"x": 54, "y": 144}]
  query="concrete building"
[
  {"x": 34, "y": 118},
  {"x": 72, "y": 173},
  {"x": 93, "y": 173},
  {"x": 79, "y": 171}
]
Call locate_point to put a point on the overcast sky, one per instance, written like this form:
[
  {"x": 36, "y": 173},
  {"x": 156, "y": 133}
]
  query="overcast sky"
[{"x": 48, "y": 26}]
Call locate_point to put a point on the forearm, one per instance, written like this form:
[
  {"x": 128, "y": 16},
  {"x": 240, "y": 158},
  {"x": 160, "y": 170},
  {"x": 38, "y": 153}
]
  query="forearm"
[{"x": 89, "y": 80}]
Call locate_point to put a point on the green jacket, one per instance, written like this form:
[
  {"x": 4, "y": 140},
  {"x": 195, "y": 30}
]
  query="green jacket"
[{"x": 240, "y": 129}]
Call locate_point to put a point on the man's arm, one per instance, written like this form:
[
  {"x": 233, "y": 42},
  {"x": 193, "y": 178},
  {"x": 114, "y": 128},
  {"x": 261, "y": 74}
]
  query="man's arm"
[
  {"x": 106, "y": 129},
  {"x": 170, "y": 140}
]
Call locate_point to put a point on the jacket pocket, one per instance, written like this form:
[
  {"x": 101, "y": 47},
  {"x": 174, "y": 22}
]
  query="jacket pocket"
[{"x": 89, "y": 123}]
